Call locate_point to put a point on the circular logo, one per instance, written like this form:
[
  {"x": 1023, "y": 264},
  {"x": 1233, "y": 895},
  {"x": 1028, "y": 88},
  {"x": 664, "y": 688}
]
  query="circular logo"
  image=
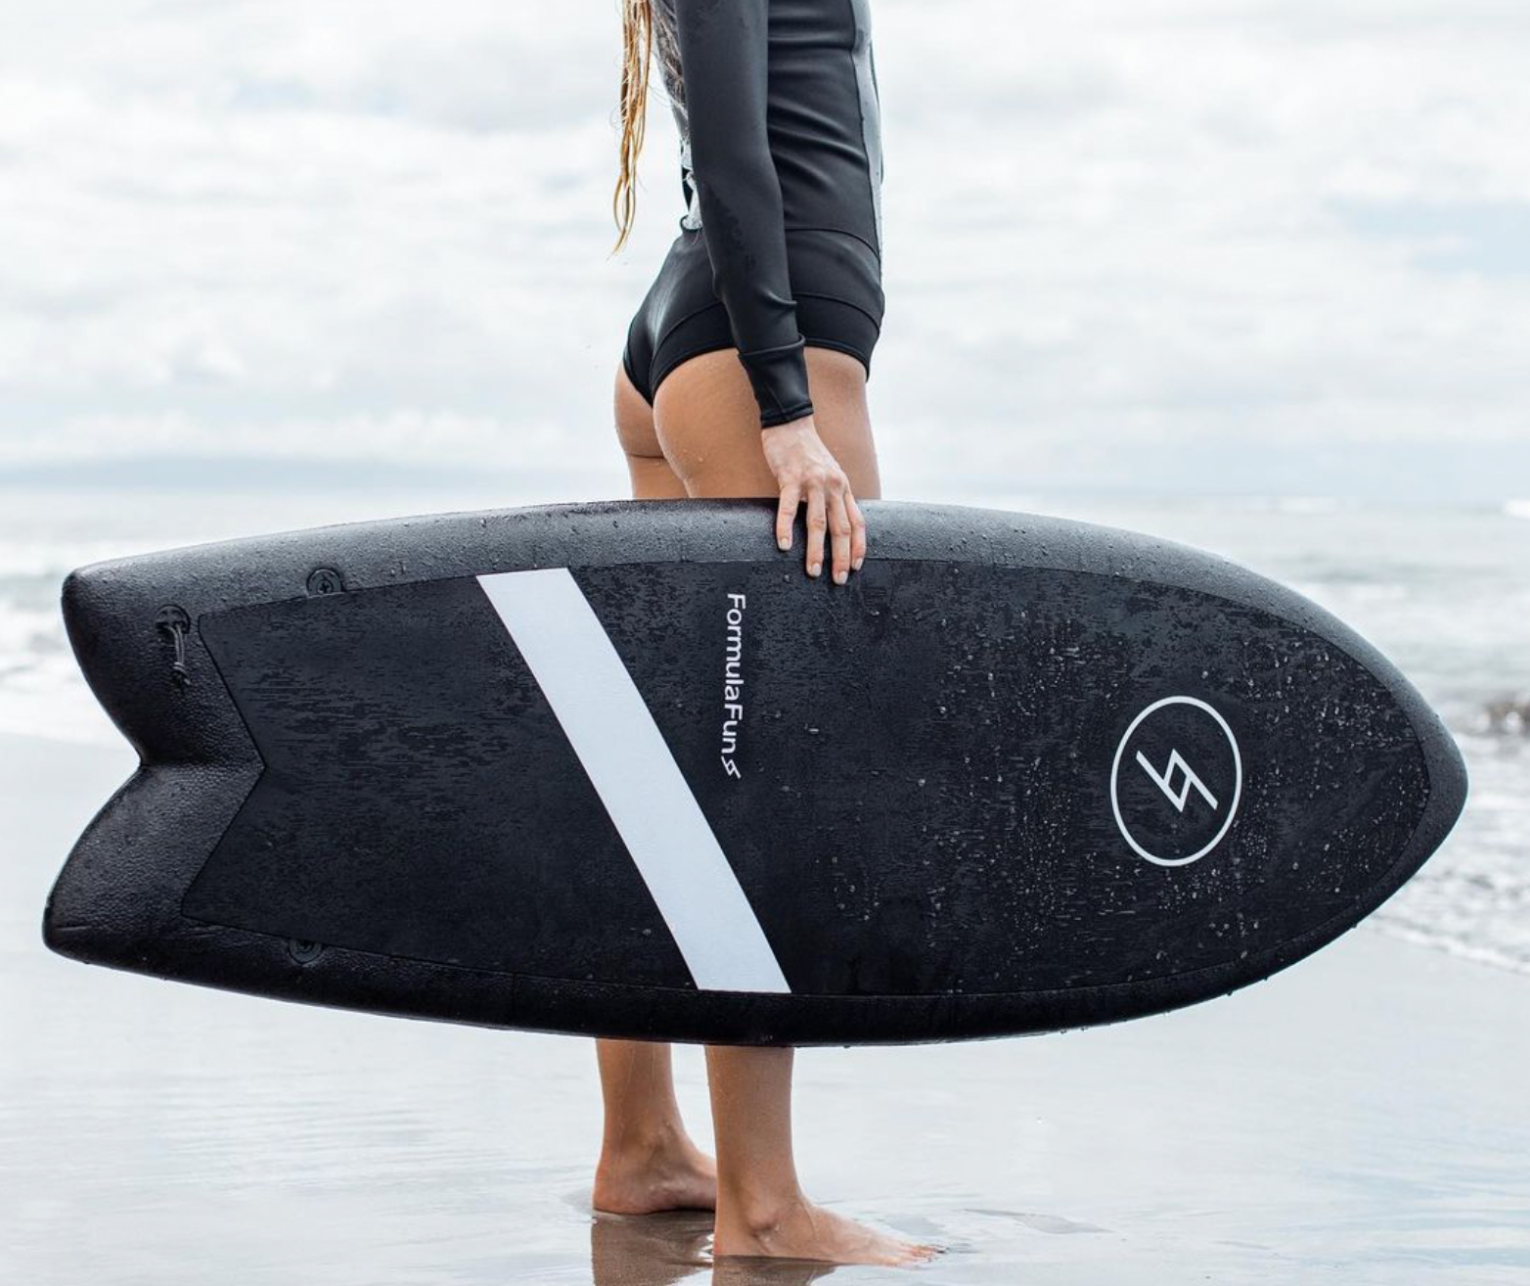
[{"x": 1176, "y": 781}]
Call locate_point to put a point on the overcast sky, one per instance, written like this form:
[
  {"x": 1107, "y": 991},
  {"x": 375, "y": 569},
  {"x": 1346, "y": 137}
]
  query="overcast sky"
[{"x": 1254, "y": 245}]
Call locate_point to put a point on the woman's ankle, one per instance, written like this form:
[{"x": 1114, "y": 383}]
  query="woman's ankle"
[
  {"x": 755, "y": 1208},
  {"x": 640, "y": 1139}
]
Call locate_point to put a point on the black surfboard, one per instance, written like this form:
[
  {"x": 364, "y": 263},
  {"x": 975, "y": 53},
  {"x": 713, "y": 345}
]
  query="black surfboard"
[{"x": 623, "y": 769}]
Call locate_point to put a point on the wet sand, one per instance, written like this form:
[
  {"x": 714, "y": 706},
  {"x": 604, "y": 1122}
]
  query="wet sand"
[{"x": 1362, "y": 1118}]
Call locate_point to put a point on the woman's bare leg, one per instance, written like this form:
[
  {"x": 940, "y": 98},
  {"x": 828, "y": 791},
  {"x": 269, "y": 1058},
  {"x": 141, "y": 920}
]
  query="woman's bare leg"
[
  {"x": 647, "y": 1160},
  {"x": 761, "y": 1209},
  {"x": 707, "y": 422}
]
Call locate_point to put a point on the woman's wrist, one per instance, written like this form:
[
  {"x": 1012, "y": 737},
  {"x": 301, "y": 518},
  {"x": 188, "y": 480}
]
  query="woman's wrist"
[
  {"x": 802, "y": 421},
  {"x": 779, "y": 377}
]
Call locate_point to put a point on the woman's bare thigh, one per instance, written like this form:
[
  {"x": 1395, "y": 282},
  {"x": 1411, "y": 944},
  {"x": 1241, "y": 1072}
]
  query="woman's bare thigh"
[{"x": 708, "y": 423}]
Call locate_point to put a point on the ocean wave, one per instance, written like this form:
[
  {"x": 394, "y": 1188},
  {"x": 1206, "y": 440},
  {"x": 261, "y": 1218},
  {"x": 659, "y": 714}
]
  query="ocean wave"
[
  {"x": 1308, "y": 504},
  {"x": 1506, "y": 717},
  {"x": 50, "y": 700},
  {"x": 1498, "y": 957}
]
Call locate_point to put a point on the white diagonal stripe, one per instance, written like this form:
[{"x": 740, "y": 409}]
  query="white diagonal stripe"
[{"x": 613, "y": 733}]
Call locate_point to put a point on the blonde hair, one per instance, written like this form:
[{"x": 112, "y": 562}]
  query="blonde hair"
[{"x": 637, "y": 45}]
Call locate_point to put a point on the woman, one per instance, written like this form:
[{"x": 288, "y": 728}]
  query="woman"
[{"x": 744, "y": 374}]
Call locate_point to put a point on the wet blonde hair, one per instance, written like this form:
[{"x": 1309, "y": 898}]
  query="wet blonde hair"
[{"x": 637, "y": 49}]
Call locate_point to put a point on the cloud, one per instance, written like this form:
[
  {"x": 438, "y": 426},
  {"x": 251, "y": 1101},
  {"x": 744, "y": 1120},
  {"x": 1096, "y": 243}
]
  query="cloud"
[{"x": 1116, "y": 232}]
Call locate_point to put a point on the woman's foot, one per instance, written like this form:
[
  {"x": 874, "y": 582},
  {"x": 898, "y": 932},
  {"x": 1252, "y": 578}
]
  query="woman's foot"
[
  {"x": 801, "y": 1230},
  {"x": 663, "y": 1172}
]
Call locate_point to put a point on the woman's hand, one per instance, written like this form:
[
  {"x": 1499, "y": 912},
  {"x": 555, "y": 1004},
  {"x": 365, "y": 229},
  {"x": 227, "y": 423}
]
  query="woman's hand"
[{"x": 806, "y": 470}]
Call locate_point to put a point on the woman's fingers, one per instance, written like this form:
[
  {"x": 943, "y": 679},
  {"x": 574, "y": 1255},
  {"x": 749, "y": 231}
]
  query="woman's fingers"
[
  {"x": 816, "y": 523},
  {"x": 806, "y": 472},
  {"x": 786, "y": 514},
  {"x": 857, "y": 533},
  {"x": 839, "y": 529}
]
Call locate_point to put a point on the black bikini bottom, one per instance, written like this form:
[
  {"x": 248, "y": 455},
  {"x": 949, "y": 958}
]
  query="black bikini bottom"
[{"x": 836, "y": 282}]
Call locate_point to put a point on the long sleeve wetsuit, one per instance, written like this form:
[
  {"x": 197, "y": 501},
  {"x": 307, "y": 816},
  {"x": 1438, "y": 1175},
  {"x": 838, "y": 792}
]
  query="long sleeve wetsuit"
[{"x": 772, "y": 95}]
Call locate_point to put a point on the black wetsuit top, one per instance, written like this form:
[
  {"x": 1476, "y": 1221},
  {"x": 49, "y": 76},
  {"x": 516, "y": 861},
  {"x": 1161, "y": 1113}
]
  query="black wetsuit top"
[{"x": 780, "y": 127}]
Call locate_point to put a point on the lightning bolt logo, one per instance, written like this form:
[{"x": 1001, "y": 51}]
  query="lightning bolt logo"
[
  {"x": 1178, "y": 781},
  {"x": 1188, "y": 782}
]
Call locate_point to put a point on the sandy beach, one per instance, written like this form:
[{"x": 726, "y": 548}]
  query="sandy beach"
[{"x": 1359, "y": 1118}]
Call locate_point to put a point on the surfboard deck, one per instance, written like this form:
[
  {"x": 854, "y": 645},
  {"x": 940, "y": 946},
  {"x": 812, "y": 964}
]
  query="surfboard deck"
[{"x": 622, "y": 769}]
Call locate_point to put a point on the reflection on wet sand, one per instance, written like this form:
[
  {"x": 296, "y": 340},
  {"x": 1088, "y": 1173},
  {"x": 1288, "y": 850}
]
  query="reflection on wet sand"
[
  {"x": 649, "y": 1250},
  {"x": 659, "y": 1250},
  {"x": 745, "y": 1270}
]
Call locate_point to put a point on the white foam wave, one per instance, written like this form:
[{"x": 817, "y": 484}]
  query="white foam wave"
[
  {"x": 55, "y": 707},
  {"x": 1307, "y": 505},
  {"x": 1495, "y": 956}
]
